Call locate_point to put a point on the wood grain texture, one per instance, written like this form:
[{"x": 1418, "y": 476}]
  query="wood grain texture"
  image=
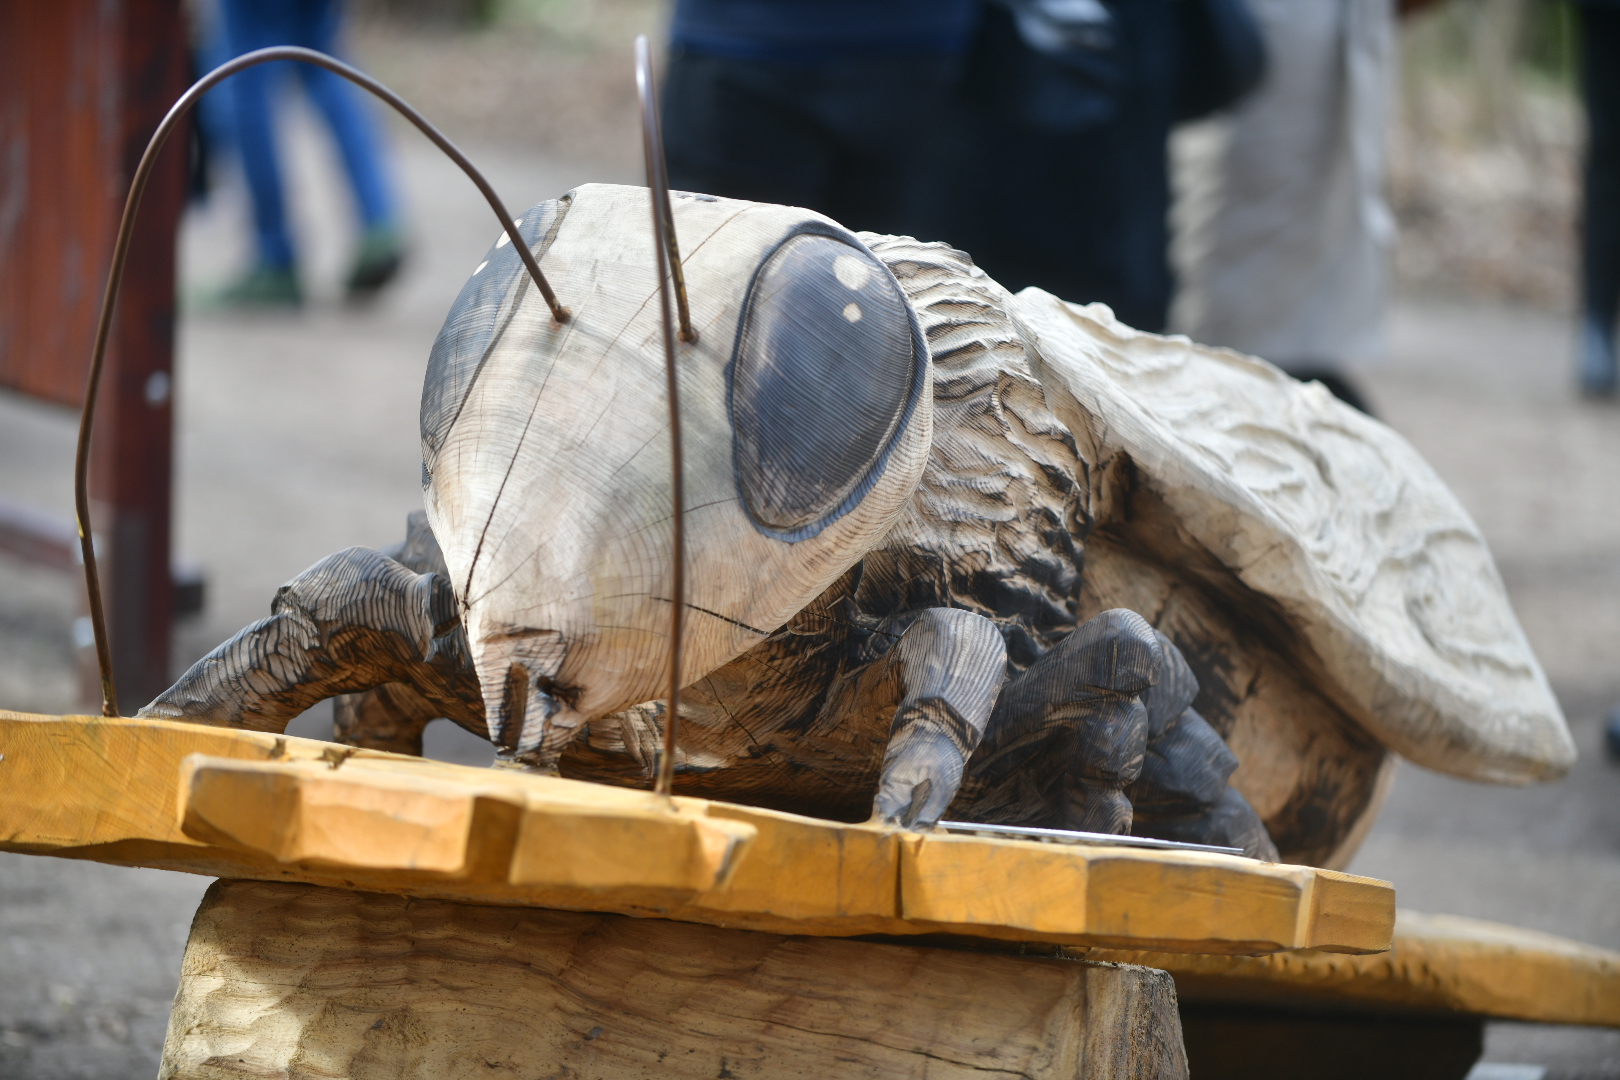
[
  {"x": 1279, "y": 546},
  {"x": 354, "y": 621},
  {"x": 995, "y": 528},
  {"x": 1310, "y": 771},
  {"x": 548, "y": 487},
  {"x": 1326, "y": 525},
  {"x": 249, "y": 805},
  {"x": 288, "y": 980},
  {"x": 1438, "y": 964}
]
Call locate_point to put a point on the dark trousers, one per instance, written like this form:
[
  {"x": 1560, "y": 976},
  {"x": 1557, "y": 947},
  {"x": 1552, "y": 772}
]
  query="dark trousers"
[
  {"x": 1048, "y": 172},
  {"x": 1600, "y": 216},
  {"x": 1055, "y": 172},
  {"x": 842, "y": 137}
]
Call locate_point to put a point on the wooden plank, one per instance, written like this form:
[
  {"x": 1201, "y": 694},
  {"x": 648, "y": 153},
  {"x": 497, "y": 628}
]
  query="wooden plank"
[
  {"x": 1438, "y": 964},
  {"x": 1018, "y": 889},
  {"x": 246, "y": 804},
  {"x": 309, "y": 812},
  {"x": 281, "y": 979}
]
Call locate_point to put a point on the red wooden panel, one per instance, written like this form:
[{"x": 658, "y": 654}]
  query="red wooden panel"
[
  {"x": 59, "y": 85},
  {"x": 83, "y": 84},
  {"x": 131, "y": 467}
]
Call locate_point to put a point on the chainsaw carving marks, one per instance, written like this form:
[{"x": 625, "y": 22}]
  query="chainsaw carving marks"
[
  {"x": 549, "y": 494},
  {"x": 353, "y": 621},
  {"x": 1314, "y": 776},
  {"x": 994, "y": 528},
  {"x": 1043, "y": 579},
  {"x": 1363, "y": 563}
]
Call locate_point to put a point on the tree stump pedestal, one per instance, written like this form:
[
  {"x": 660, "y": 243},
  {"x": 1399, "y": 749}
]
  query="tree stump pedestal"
[{"x": 297, "y": 980}]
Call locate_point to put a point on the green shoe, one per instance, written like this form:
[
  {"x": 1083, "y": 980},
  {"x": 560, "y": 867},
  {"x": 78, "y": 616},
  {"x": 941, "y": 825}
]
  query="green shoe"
[
  {"x": 264, "y": 287},
  {"x": 376, "y": 263}
]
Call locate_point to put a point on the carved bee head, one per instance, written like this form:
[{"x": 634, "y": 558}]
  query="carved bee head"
[{"x": 807, "y": 416}]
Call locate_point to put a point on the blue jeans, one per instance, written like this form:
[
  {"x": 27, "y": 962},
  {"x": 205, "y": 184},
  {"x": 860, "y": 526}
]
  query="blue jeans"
[{"x": 256, "y": 24}]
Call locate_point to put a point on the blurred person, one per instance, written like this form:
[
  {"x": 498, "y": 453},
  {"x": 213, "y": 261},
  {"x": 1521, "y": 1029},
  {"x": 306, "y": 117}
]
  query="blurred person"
[
  {"x": 273, "y": 280},
  {"x": 1292, "y": 261},
  {"x": 1052, "y": 166},
  {"x": 1600, "y": 212},
  {"x": 825, "y": 104}
]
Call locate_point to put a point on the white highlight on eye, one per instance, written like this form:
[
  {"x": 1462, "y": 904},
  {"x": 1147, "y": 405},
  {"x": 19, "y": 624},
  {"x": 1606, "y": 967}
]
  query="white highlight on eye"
[
  {"x": 502, "y": 240},
  {"x": 852, "y": 274},
  {"x": 480, "y": 267},
  {"x": 852, "y": 312}
]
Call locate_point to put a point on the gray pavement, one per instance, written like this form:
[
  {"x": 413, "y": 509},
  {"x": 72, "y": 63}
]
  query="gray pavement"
[{"x": 297, "y": 437}]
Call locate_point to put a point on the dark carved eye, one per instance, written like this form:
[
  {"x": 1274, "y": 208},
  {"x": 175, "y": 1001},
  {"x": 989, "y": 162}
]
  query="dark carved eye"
[
  {"x": 828, "y": 366},
  {"x": 485, "y": 305}
]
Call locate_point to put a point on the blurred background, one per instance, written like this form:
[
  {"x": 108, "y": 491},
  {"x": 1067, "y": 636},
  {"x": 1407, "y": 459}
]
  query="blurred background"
[{"x": 295, "y": 435}]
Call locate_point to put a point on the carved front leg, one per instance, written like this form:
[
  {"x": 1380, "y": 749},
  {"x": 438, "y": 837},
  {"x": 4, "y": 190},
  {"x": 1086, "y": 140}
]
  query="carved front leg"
[
  {"x": 393, "y": 716},
  {"x": 1182, "y": 791},
  {"x": 353, "y": 621},
  {"x": 950, "y": 665},
  {"x": 1068, "y": 735}
]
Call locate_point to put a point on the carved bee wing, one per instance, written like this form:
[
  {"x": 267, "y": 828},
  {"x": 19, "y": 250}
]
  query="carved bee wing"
[{"x": 1331, "y": 528}]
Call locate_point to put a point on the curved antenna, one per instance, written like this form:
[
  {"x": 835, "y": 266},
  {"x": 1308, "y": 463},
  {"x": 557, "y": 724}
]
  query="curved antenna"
[
  {"x": 652, "y": 144},
  {"x": 666, "y": 264},
  {"x": 115, "y": 278}
]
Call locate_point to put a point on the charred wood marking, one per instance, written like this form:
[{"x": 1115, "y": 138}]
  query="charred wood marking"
[
  {"x": 951, "y": 665},
  {"x": 1062, "y": 475},
  {"x": 352, "y": 622}
]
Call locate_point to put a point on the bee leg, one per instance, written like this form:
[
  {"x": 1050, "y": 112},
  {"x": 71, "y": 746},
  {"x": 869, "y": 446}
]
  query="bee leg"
[
  {"x": 393, "y": 716},
  {"x": 1068, "y": 734},
  {"x": 389, "y": 717},
  {"x": 354, "y": 621},
  {"x": 949, "y": 665},
  {"x": 1182, "y": 791}
]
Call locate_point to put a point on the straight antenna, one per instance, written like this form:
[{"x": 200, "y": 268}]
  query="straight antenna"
[
  {"x": 667, "y": 265},
  {"x": 652, "y": 141}
]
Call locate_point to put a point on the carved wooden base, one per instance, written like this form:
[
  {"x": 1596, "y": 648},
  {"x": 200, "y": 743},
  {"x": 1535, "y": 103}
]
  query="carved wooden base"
[{"x": 300, "y": 980}]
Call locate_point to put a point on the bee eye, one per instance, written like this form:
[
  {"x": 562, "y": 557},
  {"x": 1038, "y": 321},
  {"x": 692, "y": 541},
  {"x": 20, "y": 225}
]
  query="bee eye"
[{"x": 828, "y": 366}]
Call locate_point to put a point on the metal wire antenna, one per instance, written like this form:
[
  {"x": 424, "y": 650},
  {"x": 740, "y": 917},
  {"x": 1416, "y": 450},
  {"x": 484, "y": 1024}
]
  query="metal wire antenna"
[
  {"x": 667, "y": 264},
  {"x": 652, "y": 141},
  {"x": 109, "y": 300}
]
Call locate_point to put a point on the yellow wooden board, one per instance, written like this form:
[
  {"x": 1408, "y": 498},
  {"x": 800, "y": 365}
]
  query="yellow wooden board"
[
  {"x": 1438, "y": 963},
  {"x": 250, "y": 805}
]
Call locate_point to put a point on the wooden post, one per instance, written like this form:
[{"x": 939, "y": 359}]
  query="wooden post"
[
  {"x": 83, "y": 84},
  {"x": 281, "y": 977}
]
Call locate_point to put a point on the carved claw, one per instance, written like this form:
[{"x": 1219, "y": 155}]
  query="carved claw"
[
  {"x": 353, "y": 621},
  {"x": 950, "y": 664},
  {"x": 1181, "y": 792},
  {"x": 1068, "y": 735}
]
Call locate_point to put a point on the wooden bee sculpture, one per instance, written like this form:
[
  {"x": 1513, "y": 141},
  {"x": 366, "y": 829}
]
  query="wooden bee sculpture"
[{"x": 951, "y": 552}]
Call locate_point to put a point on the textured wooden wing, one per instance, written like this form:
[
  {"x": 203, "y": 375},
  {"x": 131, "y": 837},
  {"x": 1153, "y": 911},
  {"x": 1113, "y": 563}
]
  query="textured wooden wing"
[{"x": 1322, "y": 529}]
